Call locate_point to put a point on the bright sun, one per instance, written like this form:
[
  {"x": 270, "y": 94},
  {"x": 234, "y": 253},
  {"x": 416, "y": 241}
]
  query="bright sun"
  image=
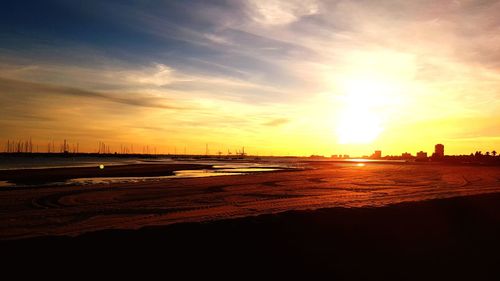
[
  {"x": 369, "y": 92},
  {"x": 358, "y": 127},
  {"x": 358, "y": 121}
]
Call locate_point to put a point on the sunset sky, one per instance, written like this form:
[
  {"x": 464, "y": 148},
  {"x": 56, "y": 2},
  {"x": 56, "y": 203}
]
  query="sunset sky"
[{"x": 278, "y": 77}]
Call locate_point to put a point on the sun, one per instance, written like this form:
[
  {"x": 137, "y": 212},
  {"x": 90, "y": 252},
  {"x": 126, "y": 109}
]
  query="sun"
[
  {"x": 370, "y": 93},
  {"x": 358, "y": 127},
  {"x": 359, "y": 121}
]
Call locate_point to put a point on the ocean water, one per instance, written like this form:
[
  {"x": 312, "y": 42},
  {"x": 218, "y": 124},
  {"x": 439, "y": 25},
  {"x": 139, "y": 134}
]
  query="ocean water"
[
  {"x": 219, "y": 167},
  {"x": 33, "y": 161},
  {"x": 8, "y": 162}
]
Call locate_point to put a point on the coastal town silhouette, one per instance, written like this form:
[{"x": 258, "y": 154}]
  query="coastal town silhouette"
[{"x": 30, "y": 148}]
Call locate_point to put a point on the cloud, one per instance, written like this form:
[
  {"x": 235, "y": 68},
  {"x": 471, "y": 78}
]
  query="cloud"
[
  {"x": 161, "y": 75},
  {"x": 273, "y": 12},
  {"x": 23, "y": 89},
  {"x": 276, "y": 122}
]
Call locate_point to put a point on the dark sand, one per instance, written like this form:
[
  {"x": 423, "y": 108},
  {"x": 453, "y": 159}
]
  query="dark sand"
[
  {"x": 445, "y": 239},
  {"x": 378, "y": 222}
]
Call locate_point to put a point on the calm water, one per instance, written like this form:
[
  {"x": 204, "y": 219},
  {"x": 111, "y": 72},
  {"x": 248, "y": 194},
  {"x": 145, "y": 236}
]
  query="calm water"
[
  {"x": 40, "y": 162},
  {"x": 219, "y": 167},
  {"x": 177, "y": 174}
]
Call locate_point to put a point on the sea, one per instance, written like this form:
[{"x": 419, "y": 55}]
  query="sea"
[{"x": 215, "y": 166}]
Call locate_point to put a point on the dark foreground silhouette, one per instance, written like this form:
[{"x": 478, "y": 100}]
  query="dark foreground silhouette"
[{"x": 447, "y": 239}]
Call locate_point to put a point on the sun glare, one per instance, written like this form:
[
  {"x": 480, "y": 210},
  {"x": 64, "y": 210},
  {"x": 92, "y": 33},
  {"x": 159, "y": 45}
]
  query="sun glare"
[
  {"x": 359, "y": 122},
  {"x": 370, "y": 92},
  {"x": 358, "y": 127}
]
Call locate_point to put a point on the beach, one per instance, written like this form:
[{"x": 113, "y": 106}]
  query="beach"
[
  {"x": 441, "y": 239},
  {"x": 30, "y": 211},
  {"x": 343, "y": 219}
]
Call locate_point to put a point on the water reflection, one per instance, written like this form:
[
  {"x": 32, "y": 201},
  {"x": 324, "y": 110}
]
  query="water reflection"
[
  {"x": 177, "y": 174},
  {"x": 5, "y": 184}
]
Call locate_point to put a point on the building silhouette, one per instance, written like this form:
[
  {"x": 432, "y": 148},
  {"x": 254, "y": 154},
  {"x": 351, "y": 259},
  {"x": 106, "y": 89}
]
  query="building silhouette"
[
  {"x": 421, "y": 155},
  {"x": 406, "y": 155},
  {"x": 439, "y": 150},
  {"x": 377, "y": 154}
]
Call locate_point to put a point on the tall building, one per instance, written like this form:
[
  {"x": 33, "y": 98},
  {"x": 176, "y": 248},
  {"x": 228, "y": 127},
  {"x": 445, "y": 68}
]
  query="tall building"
[
  {"x": 439, "y": 150},
  {"x": 377, "y": 154}
]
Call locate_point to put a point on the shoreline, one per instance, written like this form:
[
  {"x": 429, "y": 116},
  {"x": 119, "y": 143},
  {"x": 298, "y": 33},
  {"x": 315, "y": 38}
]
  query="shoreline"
[{"x": 50, "y": 175}]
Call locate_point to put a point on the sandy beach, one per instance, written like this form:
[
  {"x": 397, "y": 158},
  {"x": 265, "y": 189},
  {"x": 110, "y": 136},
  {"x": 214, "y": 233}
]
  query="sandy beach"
[
  {"x": 73, "y": 210},
  {"x": 441, "y": 239},
  {"x": 376, "y": 221}
]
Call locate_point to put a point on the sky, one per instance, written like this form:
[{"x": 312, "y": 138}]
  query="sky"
[{"x": 277, "y": 77}]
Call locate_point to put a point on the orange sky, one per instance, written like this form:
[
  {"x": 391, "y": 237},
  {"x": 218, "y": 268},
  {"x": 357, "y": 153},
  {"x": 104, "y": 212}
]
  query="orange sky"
[{"x": 278, "y": 77}]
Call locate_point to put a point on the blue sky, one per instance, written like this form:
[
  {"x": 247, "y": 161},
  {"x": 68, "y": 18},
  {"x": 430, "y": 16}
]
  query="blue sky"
[{"x": 180, "y": 34}]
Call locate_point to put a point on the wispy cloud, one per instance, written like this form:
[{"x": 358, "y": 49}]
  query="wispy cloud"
[
  {"x": 276, "y": 122},
  {"x": 275, "y": 12},
  {"x": 22, "y": 90}
]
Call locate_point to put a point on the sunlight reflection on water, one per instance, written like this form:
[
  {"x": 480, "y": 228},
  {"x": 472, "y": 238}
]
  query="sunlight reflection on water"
[
  {"x": 177, "y": 174},
  {"x": 5, "y": 184}
]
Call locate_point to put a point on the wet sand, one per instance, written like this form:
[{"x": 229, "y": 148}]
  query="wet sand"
[{"x": 42, "y": 176}]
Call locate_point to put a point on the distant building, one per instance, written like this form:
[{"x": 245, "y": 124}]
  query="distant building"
[
  {"x": 316, "y": 156},
  {"x": 406, "y": 155},
  {"x": 421, "y": 155},
  {"x": 377, "y": 154},
  {"x": 439, "y": 150}
]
